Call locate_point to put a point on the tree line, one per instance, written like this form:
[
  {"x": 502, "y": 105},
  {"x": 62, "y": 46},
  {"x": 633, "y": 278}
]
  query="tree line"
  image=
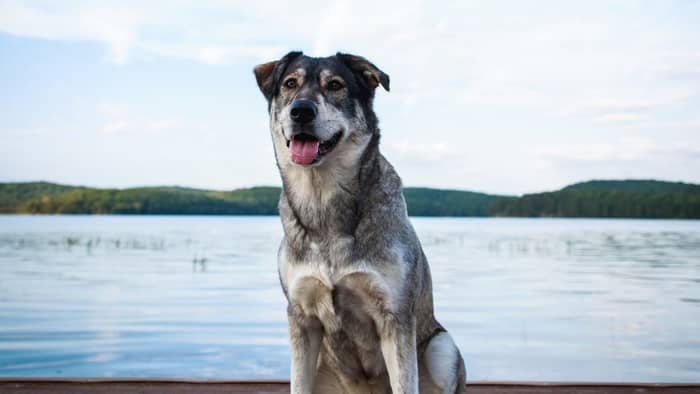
[{"x": 621, "y": 199}]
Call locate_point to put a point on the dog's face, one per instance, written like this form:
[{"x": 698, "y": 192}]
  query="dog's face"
[{"x": 320, "y": 108}]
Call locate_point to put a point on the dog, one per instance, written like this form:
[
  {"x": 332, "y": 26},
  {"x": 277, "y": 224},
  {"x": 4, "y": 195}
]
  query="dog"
[{"x": 358, "y": 285}]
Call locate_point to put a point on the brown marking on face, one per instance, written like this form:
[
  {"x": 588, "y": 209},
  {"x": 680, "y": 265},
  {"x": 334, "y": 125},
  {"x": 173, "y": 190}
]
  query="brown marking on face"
[
  {"x": 292, "y": 82},
  {"x": 333, "y": 84}
]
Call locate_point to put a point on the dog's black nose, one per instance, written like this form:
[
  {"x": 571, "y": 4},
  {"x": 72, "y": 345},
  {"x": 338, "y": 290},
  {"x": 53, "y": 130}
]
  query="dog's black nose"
[{"x": 303, "y": 111}]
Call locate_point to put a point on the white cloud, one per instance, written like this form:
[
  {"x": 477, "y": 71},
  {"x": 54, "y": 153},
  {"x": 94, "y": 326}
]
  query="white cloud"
[
  {"x": 623, "y": 150},
  {"x": 118, "y": 118},
  {"x": 617, "y": 117},
  {"x": 115, "y": 25},
  {"x": 162, "y": 124},
  {"x": 115, "y": 127},
  {"x": 422, "y": 149},
  {"x": 634, "y": 108},
  {"x": 691, "y": 125},
  {"x": 471, "y": 52},
  {"x": 111, "y": 108},
  {"x": 212, "y": 33}
]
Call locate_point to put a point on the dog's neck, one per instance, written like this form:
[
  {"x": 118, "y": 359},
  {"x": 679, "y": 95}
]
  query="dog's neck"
[{"x": 327, "y": 200}]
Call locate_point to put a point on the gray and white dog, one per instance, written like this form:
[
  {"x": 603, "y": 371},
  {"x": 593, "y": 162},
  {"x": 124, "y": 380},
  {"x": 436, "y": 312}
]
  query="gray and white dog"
[{"x": 358, "y": 286}]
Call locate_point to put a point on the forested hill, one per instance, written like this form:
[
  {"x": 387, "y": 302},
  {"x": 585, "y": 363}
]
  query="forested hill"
[
  {"x": 43, "y": 197},
  {"x": 628, "y": 198},
  {"x": 619, "y": 199}
]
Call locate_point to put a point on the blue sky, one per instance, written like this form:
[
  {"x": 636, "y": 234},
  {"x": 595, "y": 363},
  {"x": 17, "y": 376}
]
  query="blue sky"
[{"x": 501, "y": 96}]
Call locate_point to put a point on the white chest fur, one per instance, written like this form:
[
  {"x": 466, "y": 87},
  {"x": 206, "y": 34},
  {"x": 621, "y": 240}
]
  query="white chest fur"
[{"x": 311, "y": 286}]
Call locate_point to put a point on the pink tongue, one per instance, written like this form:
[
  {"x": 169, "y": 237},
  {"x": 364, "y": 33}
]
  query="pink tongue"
[{"x": 303, "y": 152}]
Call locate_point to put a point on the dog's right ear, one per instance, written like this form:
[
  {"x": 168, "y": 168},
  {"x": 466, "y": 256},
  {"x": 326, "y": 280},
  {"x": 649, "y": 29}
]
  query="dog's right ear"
[{"x": 268, "y": 74}]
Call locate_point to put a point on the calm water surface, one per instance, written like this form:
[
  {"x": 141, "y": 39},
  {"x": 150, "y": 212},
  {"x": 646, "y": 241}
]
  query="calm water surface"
[{"x": 525, "y": 299}]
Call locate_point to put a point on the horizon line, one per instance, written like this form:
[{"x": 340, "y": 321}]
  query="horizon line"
[{"x": 404, "y": 186}]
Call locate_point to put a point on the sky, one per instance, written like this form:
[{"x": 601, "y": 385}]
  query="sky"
[{"x": 503, "y": 97}]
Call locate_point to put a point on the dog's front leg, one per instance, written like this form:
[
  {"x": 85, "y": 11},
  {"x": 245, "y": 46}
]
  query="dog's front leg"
[
  {"x": 398, "y": 343},
  {"x": 305, "y": 340}
]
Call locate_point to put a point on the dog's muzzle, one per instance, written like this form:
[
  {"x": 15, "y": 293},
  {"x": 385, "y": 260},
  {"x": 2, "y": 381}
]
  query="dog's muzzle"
[{"x": 304, "y": 147}]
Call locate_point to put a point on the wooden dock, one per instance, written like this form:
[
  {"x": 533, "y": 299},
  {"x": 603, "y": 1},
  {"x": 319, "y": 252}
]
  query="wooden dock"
[{"x": 184, "y": 386}]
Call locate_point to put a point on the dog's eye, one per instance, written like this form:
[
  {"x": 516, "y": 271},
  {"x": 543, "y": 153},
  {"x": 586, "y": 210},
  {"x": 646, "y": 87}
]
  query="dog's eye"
[
  {"x": 291, "y": 83},
  {"x": 334, "y": 85}
]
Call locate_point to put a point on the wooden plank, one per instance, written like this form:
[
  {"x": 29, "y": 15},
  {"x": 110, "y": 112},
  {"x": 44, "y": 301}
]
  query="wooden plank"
[{"x": 184, "y": 386}]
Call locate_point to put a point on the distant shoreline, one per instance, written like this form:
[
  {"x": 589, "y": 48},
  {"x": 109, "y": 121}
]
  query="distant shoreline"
[{"x": 604, "y": 199}]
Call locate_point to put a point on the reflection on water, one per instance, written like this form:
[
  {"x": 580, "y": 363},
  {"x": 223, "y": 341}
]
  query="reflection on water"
[{"x": 525, "y": 299}]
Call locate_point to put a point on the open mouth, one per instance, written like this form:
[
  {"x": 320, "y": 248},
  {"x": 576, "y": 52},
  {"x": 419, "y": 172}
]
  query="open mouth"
[{"x": 307, "y": 149}]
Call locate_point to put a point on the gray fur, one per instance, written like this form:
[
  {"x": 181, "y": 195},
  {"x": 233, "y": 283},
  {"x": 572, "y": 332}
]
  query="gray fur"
[{"x": 350, "y": 264}]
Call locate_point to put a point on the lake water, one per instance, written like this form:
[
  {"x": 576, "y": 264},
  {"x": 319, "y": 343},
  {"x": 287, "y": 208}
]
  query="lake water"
[{"x": 198, "y": 297}]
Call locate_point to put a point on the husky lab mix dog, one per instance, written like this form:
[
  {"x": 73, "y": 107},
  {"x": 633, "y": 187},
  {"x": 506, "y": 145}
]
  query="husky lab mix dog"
[{"x": 353, "y": 271}]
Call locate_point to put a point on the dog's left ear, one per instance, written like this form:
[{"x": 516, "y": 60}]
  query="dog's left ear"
[
  {"x": 370, "y": 73},
  {"x": 268, "y": 74}
]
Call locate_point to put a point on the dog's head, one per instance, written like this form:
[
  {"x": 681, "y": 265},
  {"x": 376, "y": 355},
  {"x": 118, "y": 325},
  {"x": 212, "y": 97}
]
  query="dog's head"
[{"x": 320, "y": 107}]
